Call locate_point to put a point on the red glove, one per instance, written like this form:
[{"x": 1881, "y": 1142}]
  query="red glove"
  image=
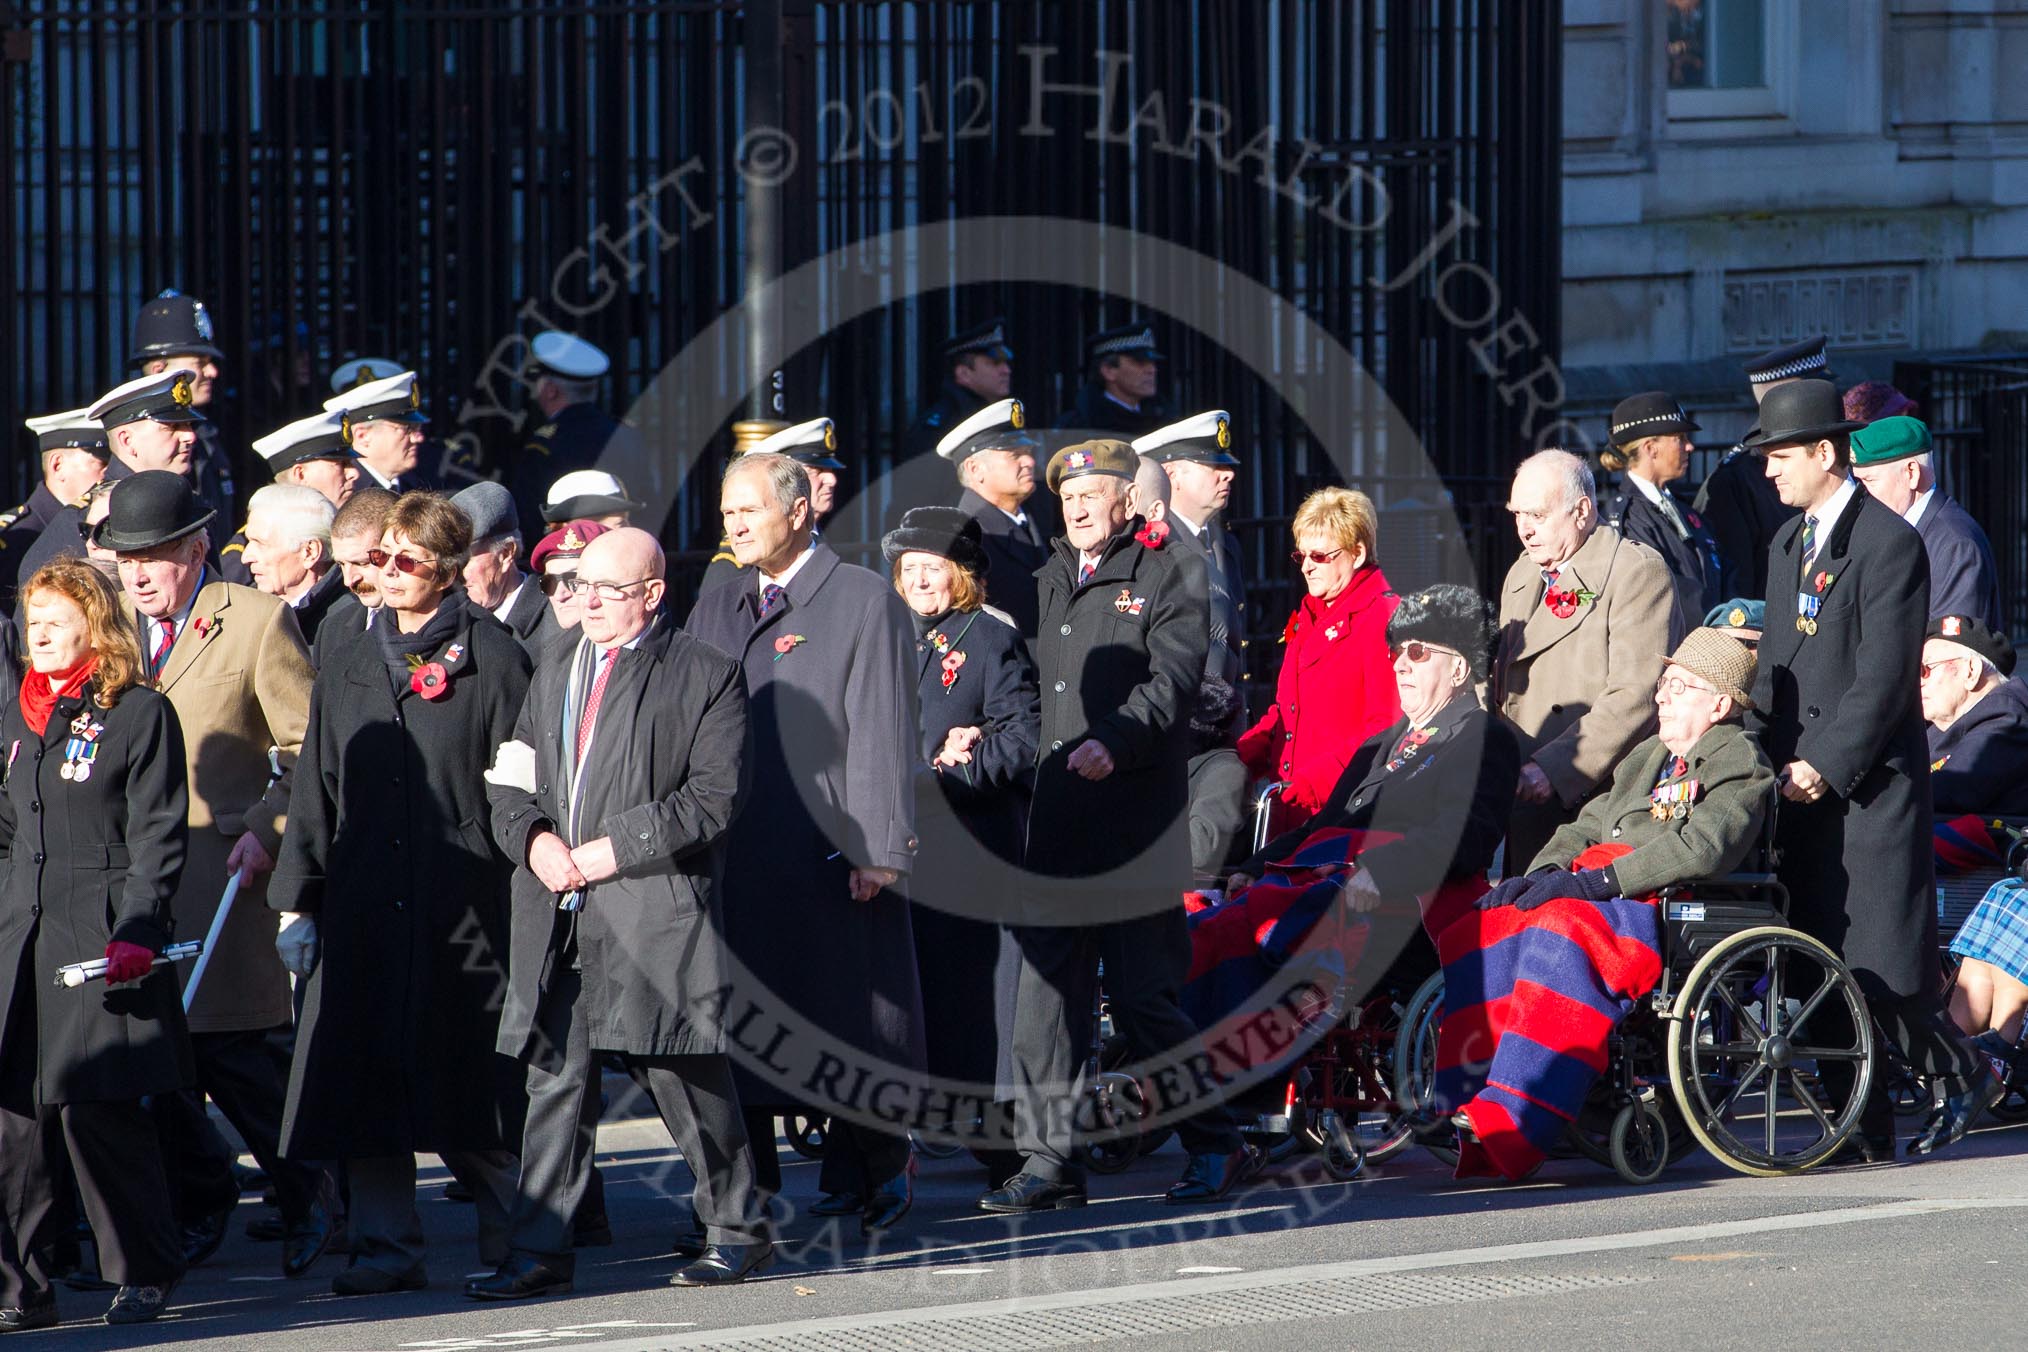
[{"x": 127, "y": 962}]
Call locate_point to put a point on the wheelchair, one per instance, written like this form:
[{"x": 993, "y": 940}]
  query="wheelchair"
[{"x": 1727, "y": 1052}]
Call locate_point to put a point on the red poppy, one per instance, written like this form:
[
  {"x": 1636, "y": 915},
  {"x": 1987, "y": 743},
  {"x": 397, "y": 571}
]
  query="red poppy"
[
  {"x": 430, "y": 680},
  {"x": 785, "y": 643},
  {"x": 1154, "y": 535},
  {"x": 951, "y": 663},
  {"x": 1562, "y": 604}
]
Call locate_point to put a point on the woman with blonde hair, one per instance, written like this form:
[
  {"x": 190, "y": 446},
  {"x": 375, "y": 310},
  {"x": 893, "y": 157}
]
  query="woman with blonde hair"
[
  {"x": 93, "y": 817},
  {"x": 1336, "y": 686},
  {"x": 1650, "y": 449}
]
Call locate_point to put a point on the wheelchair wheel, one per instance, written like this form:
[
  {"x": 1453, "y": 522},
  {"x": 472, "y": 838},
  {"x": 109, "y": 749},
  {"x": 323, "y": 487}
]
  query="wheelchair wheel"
[
  {"x": 805, "y": 1133},
  {"x": 1415, "y": 1049},
  {"x": 1109, "y": 1123},
  {"x": 1746, "y": 1064},
  {"x": 1343, "y": 1157},
  {"x": 1639, "y": 1142}
]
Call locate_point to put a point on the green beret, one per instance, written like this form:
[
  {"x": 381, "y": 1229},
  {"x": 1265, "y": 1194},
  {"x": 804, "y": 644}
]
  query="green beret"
[
  {"x": 1895, "y": 438},
  {"x": 1091, "y": 457}
]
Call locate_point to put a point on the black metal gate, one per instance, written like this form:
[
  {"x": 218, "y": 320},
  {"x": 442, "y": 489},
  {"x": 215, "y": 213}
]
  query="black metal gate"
[
  {"x": 1977, "y": 412},
  {"x": 433, "y": 182}
]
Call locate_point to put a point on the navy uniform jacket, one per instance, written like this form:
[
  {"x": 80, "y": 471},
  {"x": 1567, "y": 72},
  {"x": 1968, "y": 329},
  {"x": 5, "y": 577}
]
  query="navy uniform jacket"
[
  {"x": 1219, "y": 548},
  {"x": 953, "y": 406},
  {"x": 1691, "y": 553},
  {"x": 1016, "y": 552},
  {"x": 1094, "y": 414},
  {"x": 18, "y": 530},
  {"x": 1120, "y": 659},
  {"x": 581, "y": 436},
  {"x": 1962, "y": 577},
  {"x": 1858, "y": 862},
  {"x": 1980, "y": 763},
  {"x": 1742, "y": 510}
]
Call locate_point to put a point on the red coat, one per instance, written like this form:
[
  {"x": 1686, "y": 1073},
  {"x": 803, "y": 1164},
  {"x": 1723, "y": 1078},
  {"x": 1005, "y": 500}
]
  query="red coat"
[{"x": 1336, "y": 689}]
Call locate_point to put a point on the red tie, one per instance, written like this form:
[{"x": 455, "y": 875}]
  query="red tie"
[
  {"x": 162, "y": 650},
  {"x": 1084, "y": 573},
  {"x": 591, "y": 705}
]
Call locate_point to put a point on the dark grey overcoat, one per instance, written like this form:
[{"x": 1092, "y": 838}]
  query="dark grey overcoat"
[
  {"x": 830, "y": 680},
  {"x": 664, "y": 777}
]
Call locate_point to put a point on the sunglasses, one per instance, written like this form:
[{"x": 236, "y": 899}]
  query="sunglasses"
[
  {"x": 403, "y": 563},
  {"x": 1929, "y": 668},
  {"x": 552, "y": 583},
  {"x": 1320, "y": 556},
  {"x": 1419, "y": 652}
]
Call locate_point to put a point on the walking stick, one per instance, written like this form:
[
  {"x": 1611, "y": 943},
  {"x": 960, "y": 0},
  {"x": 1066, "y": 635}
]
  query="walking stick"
[{"x": 211, "y": 940}]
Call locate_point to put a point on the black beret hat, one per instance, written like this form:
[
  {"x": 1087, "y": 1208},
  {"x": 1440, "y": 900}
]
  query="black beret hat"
[{"x": 1969, "y": 631}]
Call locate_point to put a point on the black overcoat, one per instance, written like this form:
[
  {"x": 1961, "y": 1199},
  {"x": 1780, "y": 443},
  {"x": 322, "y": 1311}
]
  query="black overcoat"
[
  {"x": 1742, "y": 510},
  {"x": 389, "y": 846},
  {"x": 1120, "y": 659},
  {"x": 663, "y": 778},
  {"x": 832, "y": 712},
  {"x": 1015, "y": 551},
  {"x": 971, "y": 820},
  {"x": 1858, "y": 862},
  {"x": 90, "y": 860},
  {"x": 324, "y": 595},
  {"x": 1225, "y": 658},
  {"x": 1691, "y": 553}
]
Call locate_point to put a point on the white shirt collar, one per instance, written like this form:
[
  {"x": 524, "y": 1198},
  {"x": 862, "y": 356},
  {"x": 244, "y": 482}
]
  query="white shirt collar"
[
  {"x": 794, "y": 568},
  {"x": 1647, "y": 490},
  {"x": 1913, "y": 516},
  {"x": 1195, "y": 530},
  {"x": 629, "y": 645},
  {"x": 377, "y": 476},
  {"x": 1828, "y": 514},
  {"x": 153, "y": 626},
  {"x": 500, "y": 611}
]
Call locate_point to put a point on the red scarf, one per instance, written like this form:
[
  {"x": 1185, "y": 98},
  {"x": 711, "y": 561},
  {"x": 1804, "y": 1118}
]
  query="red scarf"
[{"x": 39, "y": 692}]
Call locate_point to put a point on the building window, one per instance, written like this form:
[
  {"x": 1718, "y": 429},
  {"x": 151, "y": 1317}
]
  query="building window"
[{"x": 1717, "y": 44}]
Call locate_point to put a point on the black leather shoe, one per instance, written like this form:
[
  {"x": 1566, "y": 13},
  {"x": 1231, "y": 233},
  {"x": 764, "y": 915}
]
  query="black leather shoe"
[
  {"x": 1950, "y": 1120},
  {"x": 691, "y": 1241},
  {"x": 725, "y": 1264},
  {"x": 20, "y": 1319},
  {"x": 1206, "y": 1178},
  {"x": 201, "y": 1237},
  {"x": 307, "y": 1240},
  {"x": 838, "y": 1204},
  {"x": 1859, "y": 1149},
  {"x": 1025, "y": 1192},
  {"x": 139, "y": 1304},
  {"x": 360, "y": 1280},
  {"x": 519, "y": 1278},
  {"x": 890, "y": 1201}
]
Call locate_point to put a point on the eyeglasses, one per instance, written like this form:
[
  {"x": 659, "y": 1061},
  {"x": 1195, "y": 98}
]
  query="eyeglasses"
[
  {"x": 404, "y": 562},
  {"x": 552, "y": 583},
  {"x": 1676, "y": 687},
  {"x": 1929, "y": 667},
  {"x": 1418, "y": 652},
  {"x": 1296, "y": 556},
  {"x": 609, "y": 593}
]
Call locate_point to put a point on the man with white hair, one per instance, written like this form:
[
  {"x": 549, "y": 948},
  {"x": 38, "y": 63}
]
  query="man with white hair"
[
  {"x": 288, "y": 551},
  {"x": 1890, "y": 459},
  {"x": 1978, "y": 719},
  {"x": 1585, "y": 616}
]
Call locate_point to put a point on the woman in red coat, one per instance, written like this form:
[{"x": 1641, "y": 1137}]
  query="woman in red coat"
[{"x": 1337, "y": 684}]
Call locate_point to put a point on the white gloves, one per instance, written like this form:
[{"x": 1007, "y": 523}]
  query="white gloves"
[
  {"x": 296, "y": 943},
  {"x": 513, "y": 767}
]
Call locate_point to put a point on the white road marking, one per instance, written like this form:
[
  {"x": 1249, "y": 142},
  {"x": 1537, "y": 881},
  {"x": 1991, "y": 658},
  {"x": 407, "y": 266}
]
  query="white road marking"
[
  {"x": 982, "y": 1246},
  {"x": 958, "y": 1271},
  {"x": 1292, "y": 1276},
  {"x": 1205, "y": 1271}
]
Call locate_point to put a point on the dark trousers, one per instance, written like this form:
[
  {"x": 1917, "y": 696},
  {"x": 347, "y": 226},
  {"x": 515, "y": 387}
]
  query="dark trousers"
[
  {"x": 697, "y": 1103},
  {"x": 111, "y": 1148},
  {"x": 857, "y": 1158},
  {"x": 246, "y": 1074},
  {"x": 381, "y": 1217},
  {"x": 1918, "y": 1025},
  {"x": 1146, "y": 959}
]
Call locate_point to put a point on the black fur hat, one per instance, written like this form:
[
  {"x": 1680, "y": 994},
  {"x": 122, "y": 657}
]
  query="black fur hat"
[{"x": 1454, "y": 616}]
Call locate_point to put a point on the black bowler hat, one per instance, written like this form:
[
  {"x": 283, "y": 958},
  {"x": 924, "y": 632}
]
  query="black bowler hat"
[
  {"x": 150, "y": 509},
  {"x": 939, "y": 530},
  {"x": 171, "y": 325},
  {"x": 1969, "y": 631},
  {"x": 1800, "y": 412}
]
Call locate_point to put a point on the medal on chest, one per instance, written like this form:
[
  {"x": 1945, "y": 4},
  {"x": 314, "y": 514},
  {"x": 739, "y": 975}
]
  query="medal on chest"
[
  {"x": 81, "y": 748},
  {"x": 1671, "y": 801},
  {"x": 1411, "y": 746}
]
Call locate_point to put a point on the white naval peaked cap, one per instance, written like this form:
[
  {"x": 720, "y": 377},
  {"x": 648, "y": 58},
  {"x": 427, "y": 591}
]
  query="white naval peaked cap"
[{"x": 568, "y": 355}]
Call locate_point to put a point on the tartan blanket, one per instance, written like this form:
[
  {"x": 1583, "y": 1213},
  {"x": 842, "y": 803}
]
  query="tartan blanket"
[
  {"x": 1530, "y": 999},
  {"x": 1963, "y": 844}
]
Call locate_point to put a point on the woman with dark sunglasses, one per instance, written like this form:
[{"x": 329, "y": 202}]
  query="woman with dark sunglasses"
[
  {"x": 389, "y": 857},
  {"x": 1335, "y": 689}
]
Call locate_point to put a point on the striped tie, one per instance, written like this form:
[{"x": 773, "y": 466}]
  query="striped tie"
[
  {"x": 162, "y": 649},
  {"x": 1084, "y": 573},
  {"x": 771, "y": 596},
  {"x": 1809, "y": 543}
]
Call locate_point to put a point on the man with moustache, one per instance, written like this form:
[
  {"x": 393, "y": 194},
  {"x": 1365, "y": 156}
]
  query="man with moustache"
[{"x": 354, "y": 532}]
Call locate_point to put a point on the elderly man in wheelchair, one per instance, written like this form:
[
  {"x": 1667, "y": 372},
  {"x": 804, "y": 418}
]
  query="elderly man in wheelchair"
[{"x": 1539, "y": 975}]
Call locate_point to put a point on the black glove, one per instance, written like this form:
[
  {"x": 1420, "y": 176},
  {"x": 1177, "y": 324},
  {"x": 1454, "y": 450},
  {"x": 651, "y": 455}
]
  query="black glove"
[
  {"x": 1591, "y": 884},
  {"x": 1503, "y": 893}
]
